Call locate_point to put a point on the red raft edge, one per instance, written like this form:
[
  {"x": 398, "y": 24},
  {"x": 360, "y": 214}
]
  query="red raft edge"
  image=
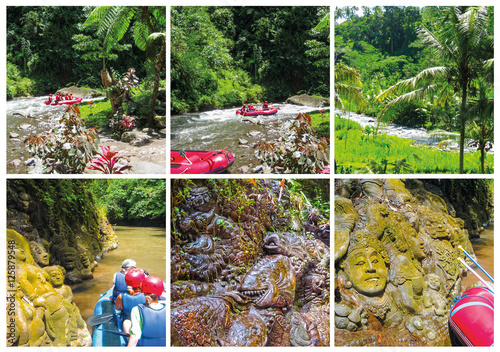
[
  {"x": 64, "y": 102},
  {"x": 202, "y": 162},
  {"x": 472, "y": 317},
  {"x": 270, "y": 111}
]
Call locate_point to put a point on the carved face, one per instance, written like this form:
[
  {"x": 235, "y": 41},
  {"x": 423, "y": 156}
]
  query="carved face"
[
  {"x": 85, "y": 260},
  {"x": 367, "y": 271},
  {"x": 415, "y": 242},
  {"x": 68, "y": 258},
  {"x": 199, "y": 199},
  {"x": 39, "y": 254},
  {"x": 56, "y": 277},
  {"x": 436, "y": 225},
  {"x": 434, "y": 282},
  {"x": 270, "y": 282},
  {"x": 393, "y": 237}
]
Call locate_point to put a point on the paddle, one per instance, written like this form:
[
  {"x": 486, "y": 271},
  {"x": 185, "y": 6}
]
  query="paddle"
[
  {"x": 115, "y": 332},
  {"x": 99, "y": 319},
  {"x": 183, "y": 154}
]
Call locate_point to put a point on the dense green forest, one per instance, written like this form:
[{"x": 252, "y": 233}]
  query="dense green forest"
[
  {"x": 124, "y": 201},
  {"x": 223, "y": 56},
  {"x": 132, "y": 201},
  {"x": 426, "y": 67},
  {"x": 52, "y": 47}
]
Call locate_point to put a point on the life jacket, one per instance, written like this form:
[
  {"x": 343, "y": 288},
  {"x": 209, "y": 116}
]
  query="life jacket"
[
  {"x": 120, "y": 286},
  {"x": 130, "y": 301},
  {"x": 154, "y": 326}
]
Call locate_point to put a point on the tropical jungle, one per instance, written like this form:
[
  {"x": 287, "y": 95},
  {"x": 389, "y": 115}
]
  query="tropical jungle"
[
  {"x": 414, "y": 89},
  {"x": 223, "y": 58},
  {"x": 66, "y": 238},
  {"x": 84, "y": 83}
]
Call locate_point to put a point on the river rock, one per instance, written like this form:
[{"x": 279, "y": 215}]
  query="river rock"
[
  {"x": 15, "y": 163},
  {"x": 243, "y": 141},
  {"x": 13, "y": 135},
  {"x": 307, "y": 100},
  {"x": 85, "y": 93},
  {"x": 128, "y": 136},
  {"x": 24, "y": 127},
  {"x": 254, "y": 133},
  {"x": 244, "y": 170}
]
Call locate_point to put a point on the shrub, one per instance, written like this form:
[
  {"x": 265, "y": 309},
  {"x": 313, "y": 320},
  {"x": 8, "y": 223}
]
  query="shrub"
[{"x": 66, "y": 148}]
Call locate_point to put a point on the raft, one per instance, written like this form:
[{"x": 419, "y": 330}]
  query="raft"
[
  {"x": 200, "y": 162},
  {"x": 64, "y": 102},
  {"x": 271, "y": 111},
  {"x": 472, "y": 317},
  {"x": 108, "y": 333}
]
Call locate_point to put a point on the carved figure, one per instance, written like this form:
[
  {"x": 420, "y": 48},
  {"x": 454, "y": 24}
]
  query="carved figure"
[
  {"x": 39, "y": 253},
  {"x": 433, "y": 297}
]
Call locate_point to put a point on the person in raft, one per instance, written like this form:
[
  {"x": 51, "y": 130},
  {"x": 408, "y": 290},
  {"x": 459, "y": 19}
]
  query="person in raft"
[
  {"x": 50, "y": 98},
  {"x": 265, "y": 106},
  {"x": 119, "y": 283},
  {"x": 133, "y": 297},
  {"x": 243, "y": 109},
  {"x": 149, "y": 321}
]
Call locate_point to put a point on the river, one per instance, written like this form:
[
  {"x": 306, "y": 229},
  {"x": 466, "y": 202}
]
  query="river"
[
  {"x": 25, "y": 117},
  {"x": 218, "y": 129},
  {"x": 418, "y": 134},
  {"x": 483, "y": 249},
  {"x": 146, "y": 245}
]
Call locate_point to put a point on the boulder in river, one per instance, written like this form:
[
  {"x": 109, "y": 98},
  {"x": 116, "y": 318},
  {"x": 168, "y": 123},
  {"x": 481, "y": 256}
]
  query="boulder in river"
[{"x": 307, "y": 100}]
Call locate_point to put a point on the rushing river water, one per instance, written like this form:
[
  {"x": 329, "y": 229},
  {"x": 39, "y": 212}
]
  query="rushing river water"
[
  {"x": 419, "y": 135},
  {"x": 25, "y": 117},
  {"x": 483, "y": 249},
  {"x": 146, "y": 245},
  {"x": 218, "y": 129}
]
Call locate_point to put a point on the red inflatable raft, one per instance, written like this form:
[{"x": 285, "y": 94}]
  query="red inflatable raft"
[
  {"x": 64, "y": 102},
  {"x": 471, "y": 317},
  {"x": 271, "y": 111},
  {"x": 198, "y": 162}
]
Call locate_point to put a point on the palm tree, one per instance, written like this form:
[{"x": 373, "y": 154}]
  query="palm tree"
[
  {"x": 114, "y": 21},
  {"x": 461, "y": 41},
  {"x": 480, "y": 130},
  {"x": 348, "y": 86}
]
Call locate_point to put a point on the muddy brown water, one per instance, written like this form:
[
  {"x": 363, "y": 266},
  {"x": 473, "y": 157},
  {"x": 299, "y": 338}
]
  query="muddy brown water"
[
  {"x": 146, "y": 245},
  {"x": 483, "y": 249},
  {"x": 219, "y": 129}
]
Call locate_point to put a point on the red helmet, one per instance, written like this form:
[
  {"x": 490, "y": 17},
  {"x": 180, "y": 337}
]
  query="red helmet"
[
  {"x": 266, "y": 101},
  {"x": 134, "y": 277},
  {"x": 152, "y": 284}
]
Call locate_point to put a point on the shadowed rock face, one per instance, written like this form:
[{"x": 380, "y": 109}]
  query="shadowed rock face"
[
  {"x": 396, "y": 264},
  {"x": 266, "y": 288}
]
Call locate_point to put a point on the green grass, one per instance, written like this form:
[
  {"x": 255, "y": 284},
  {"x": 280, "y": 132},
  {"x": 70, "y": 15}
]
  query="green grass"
[
  {"x": 359, "y": 152},
  {"x": 95, "y": 114},
  {"x": 321, "y": 124}
]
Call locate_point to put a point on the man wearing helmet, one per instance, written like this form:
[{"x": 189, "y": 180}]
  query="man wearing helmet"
[
  {"x": 119, "y": 284},
  {"x": 133, "y": 297},
  {"x": 149, "y": 321},
  {"x": 265, "y": 106}
]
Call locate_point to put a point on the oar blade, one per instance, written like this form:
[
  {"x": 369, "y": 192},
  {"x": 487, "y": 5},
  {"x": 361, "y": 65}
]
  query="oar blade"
[{"x": 99, "y": 319}]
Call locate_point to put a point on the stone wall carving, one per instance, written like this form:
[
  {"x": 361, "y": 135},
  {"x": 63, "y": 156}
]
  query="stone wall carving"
[
  {"x": 395, "y": 264},
  {"x": 244, "y": 270}
]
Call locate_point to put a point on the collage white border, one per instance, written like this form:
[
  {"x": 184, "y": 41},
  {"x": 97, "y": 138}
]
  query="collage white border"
[{"x": 332, "y": 3}]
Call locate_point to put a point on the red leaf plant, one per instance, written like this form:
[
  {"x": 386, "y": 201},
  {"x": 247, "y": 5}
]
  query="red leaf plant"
[{"x": 106, "y": 162}]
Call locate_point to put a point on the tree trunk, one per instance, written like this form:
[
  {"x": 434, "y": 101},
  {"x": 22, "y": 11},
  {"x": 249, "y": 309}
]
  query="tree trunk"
[
  {"x": 114, "y": 94},
  {"x": 462, "y": 125},
  {"x": 158, "y": 66}
]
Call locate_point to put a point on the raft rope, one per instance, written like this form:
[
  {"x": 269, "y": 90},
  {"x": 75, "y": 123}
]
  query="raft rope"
[
  {"x": 474, "y": 272},
  {"x": 475, "y": 262}
]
